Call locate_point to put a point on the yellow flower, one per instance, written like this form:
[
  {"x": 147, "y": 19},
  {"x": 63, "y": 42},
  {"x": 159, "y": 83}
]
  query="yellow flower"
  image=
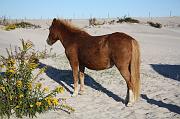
[
  {"x": 29, "y": 85},
  {"x": 38, "y": 104},
  {"x": 19, "y": 84},
  {"x": 52, "y": 101},
  {"x": 38, "y": 85},
  {"x": 17, "y": 106},
  {"x": 46, "y": 89},
  {"x": 1, "y": 65},
  {"x": 55, "y": 101},
  {"x": 59, "y": 89},
  {"x": 48, "y": 100},
  {"x": 32, "y": 66},
  {"x": 42, "y": 70},
  {"x": 11, "y": 61},
  {"x": 31, "y": 105},
  {"x": 2, "y": 88},
  {"x": 21, "y": 96},
  {"x": 11, "y": 71},
  {"x": 28, "y": 44}
]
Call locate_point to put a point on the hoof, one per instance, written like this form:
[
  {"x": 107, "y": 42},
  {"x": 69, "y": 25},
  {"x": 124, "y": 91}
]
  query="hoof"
[
  {"x": 130, "y": 99},
  {"x": 74, "y": 95},
  {"x": 125, "y": 101},
  {"x": 81, "y": 92},
  {"x": 129, "y": 104}
]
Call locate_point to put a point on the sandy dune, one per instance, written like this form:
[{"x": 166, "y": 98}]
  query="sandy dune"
[{"x": 106, "y": 90}]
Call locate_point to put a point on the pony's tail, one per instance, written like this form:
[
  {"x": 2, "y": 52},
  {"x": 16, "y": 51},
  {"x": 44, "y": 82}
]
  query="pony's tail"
[{"x": 135, "y": 69}]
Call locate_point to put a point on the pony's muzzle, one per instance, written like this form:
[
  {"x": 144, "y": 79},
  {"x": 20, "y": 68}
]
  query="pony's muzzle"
[{"x": 48, "y": 42}]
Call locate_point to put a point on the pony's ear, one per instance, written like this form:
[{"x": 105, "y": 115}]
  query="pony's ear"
[{"x": 54, "y": 19}]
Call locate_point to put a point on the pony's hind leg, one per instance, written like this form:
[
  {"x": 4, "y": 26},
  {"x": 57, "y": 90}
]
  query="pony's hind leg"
[
  {"x": 124, "y": 70},
  {"x": 81, "y": 77}
]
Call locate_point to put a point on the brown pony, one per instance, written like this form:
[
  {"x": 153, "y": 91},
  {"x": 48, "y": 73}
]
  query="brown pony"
[{"x": 98, "y": 53}]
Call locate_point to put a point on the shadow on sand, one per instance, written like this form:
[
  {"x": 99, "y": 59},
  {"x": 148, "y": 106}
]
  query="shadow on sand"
[
  {"x": 169, "y": 71},
  {"x": 170, "y": 107},
  {"x": 65, "y": 76}
]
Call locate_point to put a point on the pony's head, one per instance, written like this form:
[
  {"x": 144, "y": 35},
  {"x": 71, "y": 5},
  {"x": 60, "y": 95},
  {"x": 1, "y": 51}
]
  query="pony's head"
[
  {"x": 62, "y": 30},
  {"x": 53, "y": 33}
]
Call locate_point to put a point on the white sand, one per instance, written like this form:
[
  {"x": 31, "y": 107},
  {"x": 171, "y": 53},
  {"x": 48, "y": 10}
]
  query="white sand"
[{"x": 105, "y": 90}]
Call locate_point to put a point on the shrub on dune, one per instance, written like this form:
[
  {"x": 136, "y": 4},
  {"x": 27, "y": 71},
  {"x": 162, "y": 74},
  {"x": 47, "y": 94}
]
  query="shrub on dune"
[
  {"x": 127, "y": 19},
  {"x": 9, "y": 27},
  {"x": 21, "y": 93},
  {"x": 95, "y": 22},
  {"x": 26, "y": 25},
  {"x": 156, "y": 25}
]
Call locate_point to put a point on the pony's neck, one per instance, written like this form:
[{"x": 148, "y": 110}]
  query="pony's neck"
[
  {"x": 65, "y": 37},
  {"x": 68, "y": 36}
]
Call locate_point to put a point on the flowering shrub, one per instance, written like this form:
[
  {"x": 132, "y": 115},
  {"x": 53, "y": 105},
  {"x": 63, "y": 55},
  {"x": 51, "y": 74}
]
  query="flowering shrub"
[{"x": 20, "y": 92}]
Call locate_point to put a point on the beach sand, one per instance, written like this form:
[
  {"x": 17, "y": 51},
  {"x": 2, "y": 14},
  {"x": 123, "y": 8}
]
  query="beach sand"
[{"x": 105, "y": 90}]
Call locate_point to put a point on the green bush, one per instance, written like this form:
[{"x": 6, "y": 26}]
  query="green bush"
[
  {"x": 127, "y": 19},
  {"x": 21, "y": 93},
  {"x": 9, "y": 27},
  {"x": 26, "y": 25},
  {"x": 156, "y": 25},
  {"x": 112, "y": 22}
]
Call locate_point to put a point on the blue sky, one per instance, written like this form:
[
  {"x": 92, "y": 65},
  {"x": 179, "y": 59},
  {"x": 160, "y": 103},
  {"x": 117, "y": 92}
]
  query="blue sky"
[{"x": 88, "y": 8}]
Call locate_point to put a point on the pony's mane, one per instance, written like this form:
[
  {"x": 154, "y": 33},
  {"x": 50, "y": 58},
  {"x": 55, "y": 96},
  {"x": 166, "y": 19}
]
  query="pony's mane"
[{"x": 70, "y": 27}]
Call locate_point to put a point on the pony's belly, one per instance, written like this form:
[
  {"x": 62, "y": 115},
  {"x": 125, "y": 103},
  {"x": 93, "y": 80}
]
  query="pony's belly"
[{"x": 98, "y": 65}]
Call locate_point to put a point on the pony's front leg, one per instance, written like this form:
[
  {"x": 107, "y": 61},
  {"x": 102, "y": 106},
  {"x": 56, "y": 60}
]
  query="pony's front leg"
[
  {"x": 75, "y": 78},
  {"x": 74, "y": 65}
]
